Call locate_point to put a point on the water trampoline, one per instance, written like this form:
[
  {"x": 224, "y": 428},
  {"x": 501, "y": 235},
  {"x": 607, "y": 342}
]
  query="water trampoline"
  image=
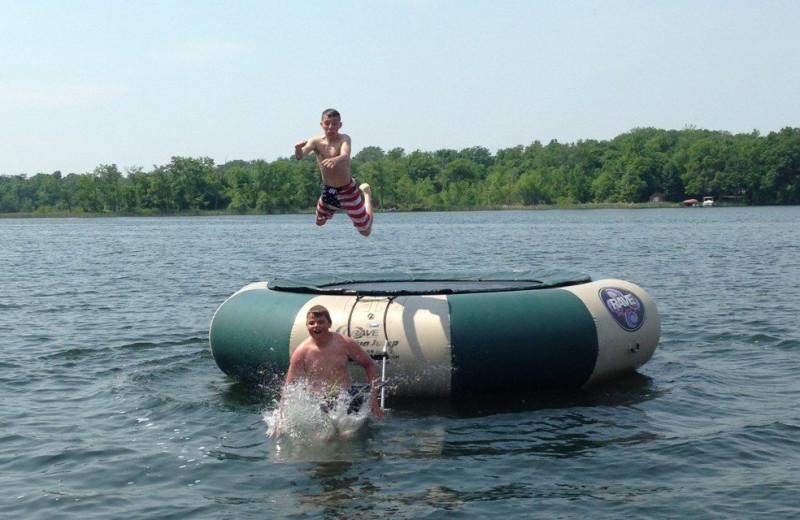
[{"x": 448, "y": 335}]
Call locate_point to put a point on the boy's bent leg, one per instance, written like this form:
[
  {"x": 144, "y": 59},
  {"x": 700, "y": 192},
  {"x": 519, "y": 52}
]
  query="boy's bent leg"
[
  {"x": 323, "y": 213},
  {"x": 359, "y": 210},
  {"x": 367, "y": 190}
]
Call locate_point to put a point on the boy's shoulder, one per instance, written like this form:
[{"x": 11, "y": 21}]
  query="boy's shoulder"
[
  {"x": 348, "y": 342},
  {"x": 305, "y": 345},
  {"x": 339, "y": 340}
]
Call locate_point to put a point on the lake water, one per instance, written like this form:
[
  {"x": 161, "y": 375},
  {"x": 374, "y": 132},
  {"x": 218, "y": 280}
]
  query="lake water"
[{"x": 112, "y": 406}]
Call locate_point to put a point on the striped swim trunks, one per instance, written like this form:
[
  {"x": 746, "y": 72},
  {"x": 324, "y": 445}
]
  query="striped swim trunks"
[{"x": 347, "y": 198}]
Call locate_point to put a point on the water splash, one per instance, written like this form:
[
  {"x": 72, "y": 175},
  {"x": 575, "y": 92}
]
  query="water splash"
[{"x": 314, "y": 417}]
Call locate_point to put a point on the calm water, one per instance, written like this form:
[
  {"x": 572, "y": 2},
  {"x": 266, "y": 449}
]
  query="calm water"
[{"x": 112, "y": 407}]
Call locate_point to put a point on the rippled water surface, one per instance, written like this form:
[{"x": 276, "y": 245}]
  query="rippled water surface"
[{"x": 112, "y": 406}]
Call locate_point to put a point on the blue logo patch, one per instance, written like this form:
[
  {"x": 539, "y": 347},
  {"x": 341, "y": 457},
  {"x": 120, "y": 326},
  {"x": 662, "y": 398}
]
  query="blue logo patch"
[{"x": 624, "y": 306}]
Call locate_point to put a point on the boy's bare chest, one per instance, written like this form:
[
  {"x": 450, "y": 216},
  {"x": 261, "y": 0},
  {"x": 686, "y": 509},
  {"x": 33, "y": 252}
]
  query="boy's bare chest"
[
  {"x": 329, "y": 149},
  {"x": 328, "y": 358}
]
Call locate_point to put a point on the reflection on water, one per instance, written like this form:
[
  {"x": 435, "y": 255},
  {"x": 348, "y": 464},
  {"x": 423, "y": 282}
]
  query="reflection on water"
[
  {"x": 626, "y": 390},
  {"x": 545, "y": 424},
  {"x": 234, "y": 395}
]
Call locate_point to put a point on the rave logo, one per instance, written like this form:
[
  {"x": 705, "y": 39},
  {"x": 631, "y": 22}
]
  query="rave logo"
[
  {"x": 358, "y": 332},
  {"x": 624, "y": 306}
]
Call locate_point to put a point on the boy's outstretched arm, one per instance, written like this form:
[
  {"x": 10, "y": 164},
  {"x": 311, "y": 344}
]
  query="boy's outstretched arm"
[{"x": 302, "y": 148}]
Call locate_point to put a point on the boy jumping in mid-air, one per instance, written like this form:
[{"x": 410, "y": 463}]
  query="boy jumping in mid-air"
[{"x": 340, "y": 190}]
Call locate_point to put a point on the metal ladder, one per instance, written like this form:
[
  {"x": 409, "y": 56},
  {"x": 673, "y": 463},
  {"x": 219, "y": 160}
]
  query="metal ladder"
[{"x": 384, "y": 355}]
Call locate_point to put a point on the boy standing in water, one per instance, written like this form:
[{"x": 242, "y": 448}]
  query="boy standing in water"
[
  {"x": 321, "y": 360},
  {"x": 340, "y": 190}
]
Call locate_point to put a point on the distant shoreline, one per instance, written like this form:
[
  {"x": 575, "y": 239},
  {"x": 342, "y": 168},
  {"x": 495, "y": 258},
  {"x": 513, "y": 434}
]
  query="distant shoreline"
[{"x": 206, "y": 213}]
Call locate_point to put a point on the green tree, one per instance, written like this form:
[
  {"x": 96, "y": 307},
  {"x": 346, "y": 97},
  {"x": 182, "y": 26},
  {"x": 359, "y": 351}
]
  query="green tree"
[
  {"x": 240, "y": 189},
  {"x": 530, "y": 189},
  {"x": 49, "y": 193},
  {"x": 108, "y": 184},
  {"x": 134, "y": 196},
  {"x": 395, "y": 154},
  {"x": 273, "y": 182},
  {"x": 420, "y": 165},
  {"x": 369, "y": 154},
  {"x": 160, "y": 195},
  {"x": 478, "y": 155},
  {"x": 88, "y": 191},
  {"x": 192, "y": 180},
  {"x": 781, "y": 161},
  {"x": 705, "y": 166},
  {"x": 499, "y": 188},
  {"x": 14, "y": 194},
  {"x": 460, "y": 170}
]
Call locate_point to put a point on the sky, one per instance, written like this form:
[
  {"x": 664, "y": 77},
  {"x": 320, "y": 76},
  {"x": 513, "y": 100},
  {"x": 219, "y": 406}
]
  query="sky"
[{"x": 86, "y": 83}]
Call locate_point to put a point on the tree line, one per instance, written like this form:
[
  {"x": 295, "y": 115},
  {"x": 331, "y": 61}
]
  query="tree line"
[{"x": 638, "y": 166}]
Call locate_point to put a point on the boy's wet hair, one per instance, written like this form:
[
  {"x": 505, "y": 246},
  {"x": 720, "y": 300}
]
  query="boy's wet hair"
[
  {"x": 331, "y": 112},
  {"x": 319, "y": 311}
]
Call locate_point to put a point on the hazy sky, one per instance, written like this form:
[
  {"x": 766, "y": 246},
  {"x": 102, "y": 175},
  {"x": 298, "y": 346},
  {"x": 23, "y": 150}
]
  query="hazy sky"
[{"x": 85, "y": 83}]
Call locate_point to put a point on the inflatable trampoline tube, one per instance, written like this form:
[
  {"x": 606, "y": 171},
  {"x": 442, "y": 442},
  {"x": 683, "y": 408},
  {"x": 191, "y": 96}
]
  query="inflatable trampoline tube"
[{"x": 448, "y": 335}]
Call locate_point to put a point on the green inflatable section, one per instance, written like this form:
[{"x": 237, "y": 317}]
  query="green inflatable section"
[
  {"x": 250, "y": 333},
  {"x": 515, "y": 340}
]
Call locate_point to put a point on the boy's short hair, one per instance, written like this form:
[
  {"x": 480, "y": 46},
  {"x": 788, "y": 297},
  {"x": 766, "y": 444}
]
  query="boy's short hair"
[
  {"x": 331, "y": 112},
  {"x": 319, "y": 310}
]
